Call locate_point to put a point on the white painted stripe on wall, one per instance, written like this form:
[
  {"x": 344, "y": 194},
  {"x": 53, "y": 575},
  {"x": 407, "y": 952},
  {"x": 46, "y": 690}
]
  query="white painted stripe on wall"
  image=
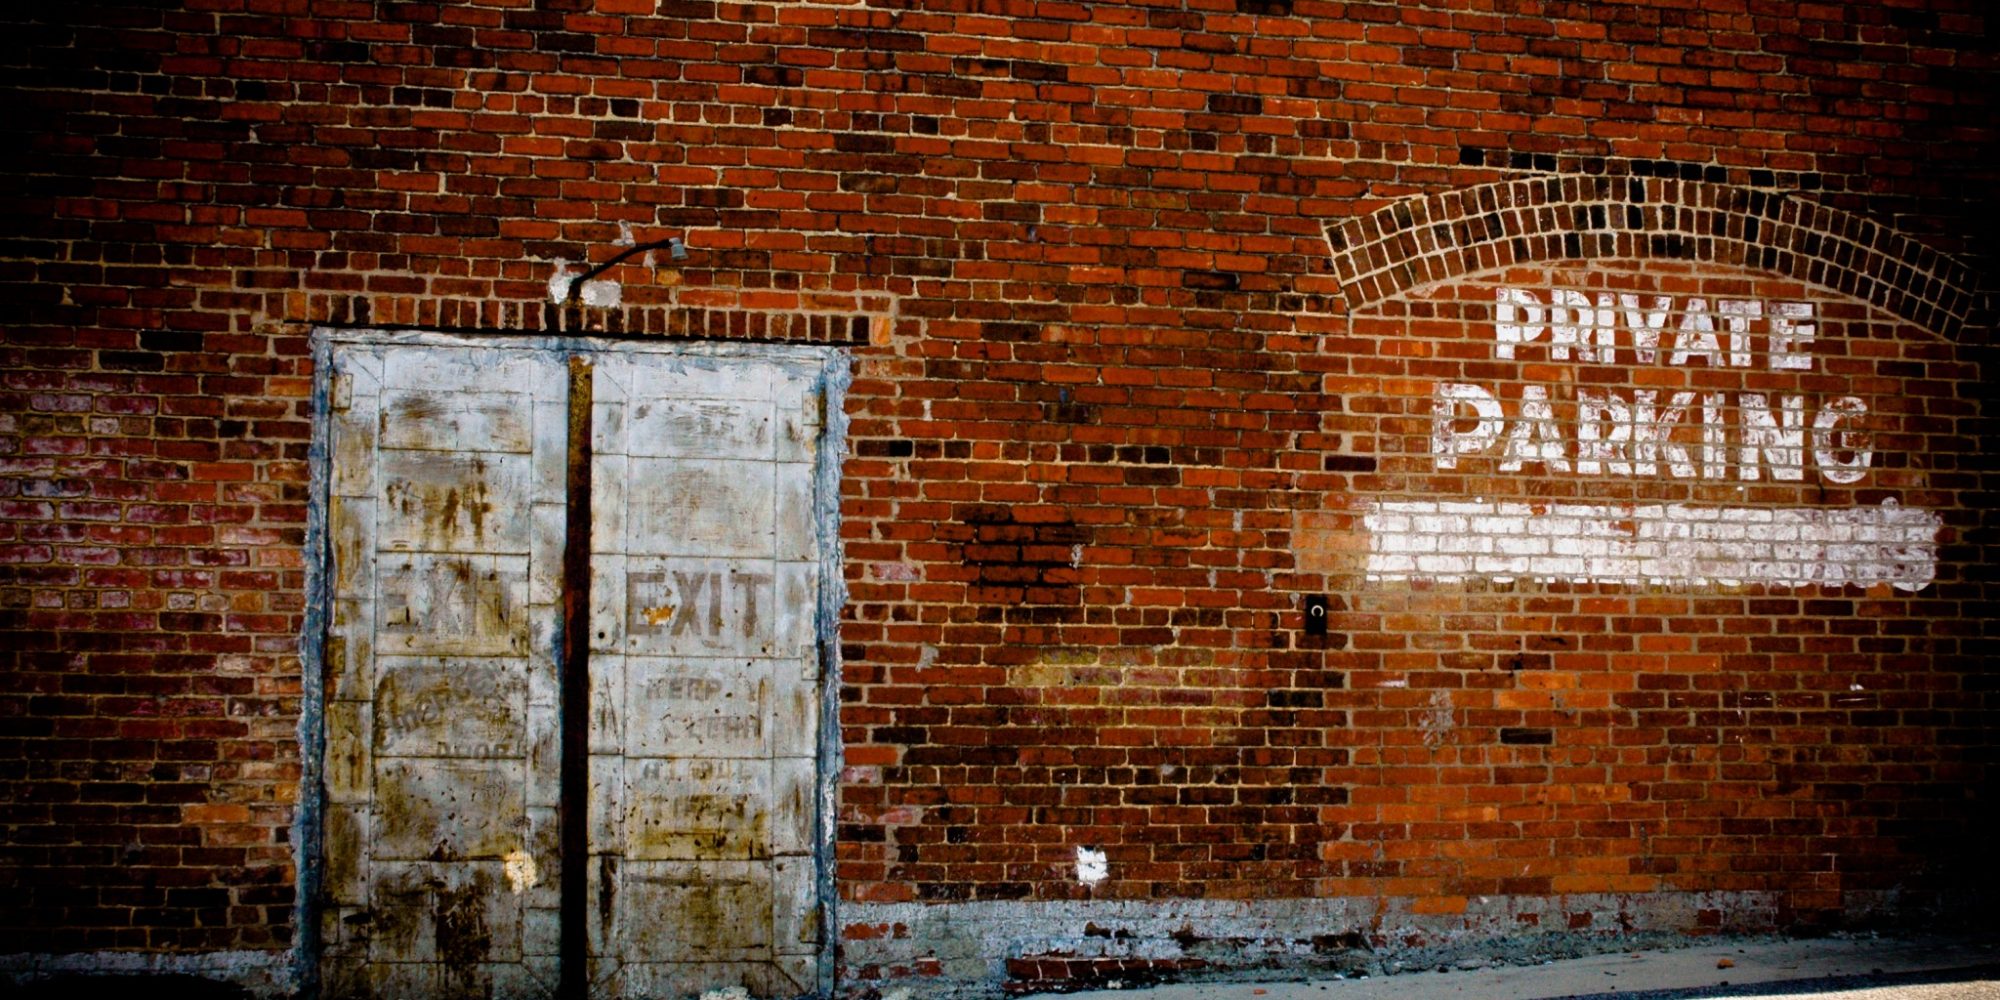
[
  {"x": 1672, "y": 544},
  {"x": 263, "y": 974}
]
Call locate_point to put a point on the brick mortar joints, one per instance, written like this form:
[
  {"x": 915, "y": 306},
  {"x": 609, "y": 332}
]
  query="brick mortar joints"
[
  {"x": 1425, "y": 238},
  {"x": 824, "y": 326}
]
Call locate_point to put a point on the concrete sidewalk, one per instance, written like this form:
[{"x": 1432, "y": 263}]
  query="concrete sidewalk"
[{"x": 1850, "y": 965}]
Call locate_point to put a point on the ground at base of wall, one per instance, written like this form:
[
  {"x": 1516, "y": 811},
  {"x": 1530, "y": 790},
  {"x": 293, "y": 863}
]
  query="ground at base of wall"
[
  {"x": 1649, "y": 964},
  {"x": 1968, "y": 962},
  {"x": 68, "y": 986},
  {"x": 225, "y": 975},
  {"x": 1245, "y": 963},
  {"x": 1661, "y": 966},
  {"x": 983, "y": 951}
]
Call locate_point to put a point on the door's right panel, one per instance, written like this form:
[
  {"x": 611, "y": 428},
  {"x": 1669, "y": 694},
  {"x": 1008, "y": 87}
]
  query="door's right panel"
[{"x": 705, "y": 686}]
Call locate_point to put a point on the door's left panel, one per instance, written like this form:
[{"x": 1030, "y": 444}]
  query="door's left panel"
[{"x": 445, "y": 522}]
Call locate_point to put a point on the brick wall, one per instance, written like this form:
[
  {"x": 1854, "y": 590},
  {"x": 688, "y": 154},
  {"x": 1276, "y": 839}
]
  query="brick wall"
[
  {"x": 1152, "y": 310},
  {"x": 1635, "y": 642}
]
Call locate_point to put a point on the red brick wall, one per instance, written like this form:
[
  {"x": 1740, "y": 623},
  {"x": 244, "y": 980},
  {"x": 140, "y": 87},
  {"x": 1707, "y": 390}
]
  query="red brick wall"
[
  {"x": 1119, "y": 403},
  {"x": 1642, "y": 696}
]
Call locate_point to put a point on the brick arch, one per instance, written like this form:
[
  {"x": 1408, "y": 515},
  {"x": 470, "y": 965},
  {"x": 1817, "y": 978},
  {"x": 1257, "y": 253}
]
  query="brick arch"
[{"x": 1430, "y": 238}]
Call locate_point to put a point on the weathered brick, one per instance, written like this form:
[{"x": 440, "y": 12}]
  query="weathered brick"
[{"x": 1149, "y": 309}]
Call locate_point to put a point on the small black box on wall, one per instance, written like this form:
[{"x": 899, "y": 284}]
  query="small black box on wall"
[{"x": 1315, "y": 614}]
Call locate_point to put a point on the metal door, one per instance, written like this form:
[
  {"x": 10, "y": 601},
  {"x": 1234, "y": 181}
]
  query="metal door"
[
  {"x": 446, "y": 504},
  {"x": 704, "y": 725}
]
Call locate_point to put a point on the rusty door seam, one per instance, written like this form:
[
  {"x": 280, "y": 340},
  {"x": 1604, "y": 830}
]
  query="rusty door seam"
[{"x": 574, "y": 710}]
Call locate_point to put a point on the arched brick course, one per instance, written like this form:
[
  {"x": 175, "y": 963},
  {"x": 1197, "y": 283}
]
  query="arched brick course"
[{"x": 1431, "y": 238}]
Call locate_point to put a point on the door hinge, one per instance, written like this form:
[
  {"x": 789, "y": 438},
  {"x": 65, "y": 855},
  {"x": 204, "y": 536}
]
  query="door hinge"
[{"x": 340, "y": 396}]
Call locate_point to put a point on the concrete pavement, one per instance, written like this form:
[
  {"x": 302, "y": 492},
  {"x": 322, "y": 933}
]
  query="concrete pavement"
[{"x": 1931, "y": 966}]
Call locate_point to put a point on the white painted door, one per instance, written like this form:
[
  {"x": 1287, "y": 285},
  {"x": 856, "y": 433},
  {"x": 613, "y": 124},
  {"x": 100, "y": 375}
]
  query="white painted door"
[
  {"x": 705, "y": 688},
  {"x": 445, "y": 526}
]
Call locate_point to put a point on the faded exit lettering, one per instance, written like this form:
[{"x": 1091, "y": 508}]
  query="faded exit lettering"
[{"x": 701, "y": 604}]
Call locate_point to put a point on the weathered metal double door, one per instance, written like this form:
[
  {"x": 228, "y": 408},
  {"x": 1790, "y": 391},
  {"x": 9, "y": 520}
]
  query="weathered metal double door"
[{"x": 449, "y": 502}]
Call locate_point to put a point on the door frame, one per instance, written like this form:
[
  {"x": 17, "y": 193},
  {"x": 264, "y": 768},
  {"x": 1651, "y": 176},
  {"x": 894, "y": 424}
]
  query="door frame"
[{"x": 835, "y": 375}]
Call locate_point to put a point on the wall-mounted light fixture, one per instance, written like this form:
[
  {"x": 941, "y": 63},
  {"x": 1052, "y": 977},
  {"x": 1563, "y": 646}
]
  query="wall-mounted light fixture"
[{"x": 567, "y": 289}]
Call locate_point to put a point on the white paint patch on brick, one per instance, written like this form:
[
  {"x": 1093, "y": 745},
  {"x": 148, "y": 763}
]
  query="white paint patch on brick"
[
  {"x": 1092, "y": 866},
  {"x": 603, "y": 294},
  {"x": 1436, "y": 721},
  {"x": 265, "y": 975},
  {"x": 1665, "y": 544},
  {"x": 560, "y": 281}
]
